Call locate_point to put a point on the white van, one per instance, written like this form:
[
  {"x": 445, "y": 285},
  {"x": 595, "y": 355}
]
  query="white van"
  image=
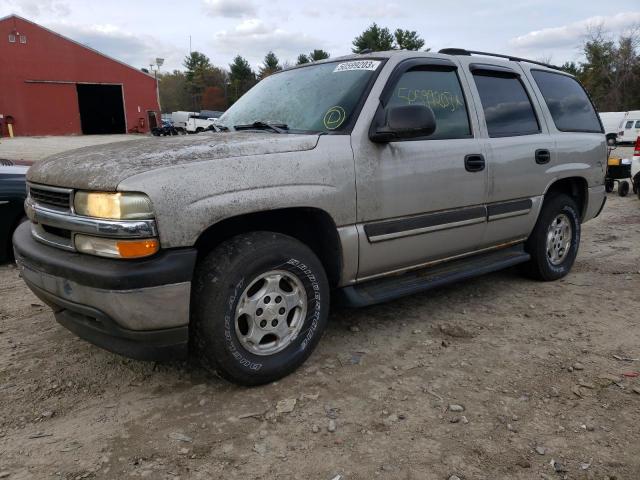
[
  {"x": 629, "y": 127},
  {"x": 611, "y": 122}
]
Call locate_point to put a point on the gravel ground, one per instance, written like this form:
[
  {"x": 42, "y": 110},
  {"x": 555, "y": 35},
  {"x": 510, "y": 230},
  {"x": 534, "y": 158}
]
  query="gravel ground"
[
  {"x": 37, "y": 148},
  {"x": 494, "y": 378}
]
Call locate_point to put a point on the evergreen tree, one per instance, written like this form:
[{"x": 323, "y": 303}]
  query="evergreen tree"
[
  {"x": 318, "y": 54},
  {"x": 374, "y": 38},
  {"x": 270, "y": 65},
  {"x": 408, "y": 40}
]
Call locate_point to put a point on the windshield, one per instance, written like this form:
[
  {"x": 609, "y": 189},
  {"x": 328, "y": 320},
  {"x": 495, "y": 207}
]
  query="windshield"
[{"x": 317, "y": 98}]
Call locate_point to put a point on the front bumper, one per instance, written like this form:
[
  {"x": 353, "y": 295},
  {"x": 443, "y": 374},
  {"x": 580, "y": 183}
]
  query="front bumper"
[{"x": 137, "y": 308}]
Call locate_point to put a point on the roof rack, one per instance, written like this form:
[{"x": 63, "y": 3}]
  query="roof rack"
[{"x": 462, "y": 51}]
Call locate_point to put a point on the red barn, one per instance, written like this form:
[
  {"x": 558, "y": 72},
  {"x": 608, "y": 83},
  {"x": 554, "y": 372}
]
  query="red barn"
[{"x": 52, "y": 85}]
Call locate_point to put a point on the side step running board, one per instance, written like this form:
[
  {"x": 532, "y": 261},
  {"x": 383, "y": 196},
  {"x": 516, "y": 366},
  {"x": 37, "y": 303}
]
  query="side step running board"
[{"x": 392, "y": 287}]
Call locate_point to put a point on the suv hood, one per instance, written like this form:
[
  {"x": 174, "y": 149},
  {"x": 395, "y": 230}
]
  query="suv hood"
[{"x": 103, "y": 167}]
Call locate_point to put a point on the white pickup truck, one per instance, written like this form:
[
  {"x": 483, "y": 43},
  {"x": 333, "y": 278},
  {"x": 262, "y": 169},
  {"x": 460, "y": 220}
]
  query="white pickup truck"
[
  {"x": 198, "y": 123},
  {"x": 193, "y": 122}
]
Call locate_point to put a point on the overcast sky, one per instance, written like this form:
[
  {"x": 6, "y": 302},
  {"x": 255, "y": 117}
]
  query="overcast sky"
[{"x": 135, "y": 31}]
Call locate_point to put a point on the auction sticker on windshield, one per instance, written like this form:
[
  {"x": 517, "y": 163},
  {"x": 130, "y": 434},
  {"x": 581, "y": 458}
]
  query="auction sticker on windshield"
[{"x": 357, "y": 65}]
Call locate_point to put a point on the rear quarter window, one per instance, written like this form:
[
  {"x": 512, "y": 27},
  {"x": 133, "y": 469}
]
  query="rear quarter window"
[{"x": 569, "y": 104}]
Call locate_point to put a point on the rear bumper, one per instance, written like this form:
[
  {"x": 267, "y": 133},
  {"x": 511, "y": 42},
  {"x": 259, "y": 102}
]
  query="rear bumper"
[
  {"x": 595, "y": 202},
  {"x": 139, "y": 309}
]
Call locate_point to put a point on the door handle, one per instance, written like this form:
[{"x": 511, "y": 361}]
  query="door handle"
[
  {"x": 474, "y": 162},
  {"x": 543, "y": 156}
]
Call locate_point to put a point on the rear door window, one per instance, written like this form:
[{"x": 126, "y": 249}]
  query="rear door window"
[
  {"x": 569, "y": 104},
  {"x": 638, "y": 124},
  {"x": 507, "y": 108}
]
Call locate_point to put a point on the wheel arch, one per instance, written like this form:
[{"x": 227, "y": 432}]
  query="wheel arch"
[
  {"x": 312, "y": 226},
  {"x": 575, "y": 187}
]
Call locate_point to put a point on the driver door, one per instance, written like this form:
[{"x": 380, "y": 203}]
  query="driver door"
[{"x": 423, "y": 199}]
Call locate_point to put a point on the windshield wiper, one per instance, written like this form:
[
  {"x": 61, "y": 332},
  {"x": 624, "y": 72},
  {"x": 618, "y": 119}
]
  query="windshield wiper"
[{"x": 274, "y": 127}]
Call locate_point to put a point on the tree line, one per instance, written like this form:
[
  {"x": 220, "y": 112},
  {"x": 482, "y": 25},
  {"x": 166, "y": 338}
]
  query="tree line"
[
  {"x": 610, "y": 71},
  {"x": 204, "y": 86}
]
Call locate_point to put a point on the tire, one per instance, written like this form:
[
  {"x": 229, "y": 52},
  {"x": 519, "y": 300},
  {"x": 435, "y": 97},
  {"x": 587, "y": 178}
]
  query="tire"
[
  {"x": 227, "y": 278},
  {"x": 199, "y": 130},
  {"x": 623, "y": 188},
  {"x": 543, "y": 265},
  {"x": 611, "y": 141},
  {"x": 608, "y": 185}
]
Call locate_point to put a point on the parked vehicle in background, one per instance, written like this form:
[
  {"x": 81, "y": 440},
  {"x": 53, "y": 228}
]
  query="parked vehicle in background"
[
  {"x": 13, "y": 191},
  {"x": 166, "y": 129},
  {"x": 193, "y": 122},
  {"x": 180, "y": 119},
  {"x": 635, "y": 167},
  {"x": 629, "y": 127},
  {"x": 330, "y": 181},
  {"x": 200, "y": 123},
  {"x": 611, "y": 122}
]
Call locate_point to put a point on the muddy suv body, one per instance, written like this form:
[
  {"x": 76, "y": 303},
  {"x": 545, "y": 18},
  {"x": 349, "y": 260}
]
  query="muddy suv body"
[{"x": 358, "y": 179}]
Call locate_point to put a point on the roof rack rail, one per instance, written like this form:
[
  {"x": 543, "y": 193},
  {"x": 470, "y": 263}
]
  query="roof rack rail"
[{"x": 462, "y": 51}]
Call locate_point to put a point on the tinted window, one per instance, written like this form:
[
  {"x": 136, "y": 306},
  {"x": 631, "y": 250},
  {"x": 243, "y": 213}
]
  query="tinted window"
[
  {"x": 629, "y": 124},
  {"x": 507, "y": 108},
  {"x": 440, "y": 91},
  {"x": 568, "y": 103},
  {"x": 638, "y": 124}
]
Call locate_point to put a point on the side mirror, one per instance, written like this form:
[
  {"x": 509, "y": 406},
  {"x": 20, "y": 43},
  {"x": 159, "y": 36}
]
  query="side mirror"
[{"x": 408, "y": 121}]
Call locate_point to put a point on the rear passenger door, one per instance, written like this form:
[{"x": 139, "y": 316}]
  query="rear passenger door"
[{"x": 518, "y": 145}]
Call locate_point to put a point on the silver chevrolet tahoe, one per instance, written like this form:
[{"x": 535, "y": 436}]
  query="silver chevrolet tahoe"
[{"x": 357, "y": 180}]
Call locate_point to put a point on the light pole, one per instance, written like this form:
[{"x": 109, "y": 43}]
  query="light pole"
[{"x": 154, "y": 66}]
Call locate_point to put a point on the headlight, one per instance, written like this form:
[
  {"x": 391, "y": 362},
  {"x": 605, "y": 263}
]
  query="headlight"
[
  {"x": 118, "y": 206},
  {"x": 116, "y": 248}
]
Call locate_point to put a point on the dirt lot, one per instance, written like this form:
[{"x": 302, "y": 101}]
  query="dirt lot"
[
  {"x": 538, "y": 368},
  {"x": 37, "y": 148}
]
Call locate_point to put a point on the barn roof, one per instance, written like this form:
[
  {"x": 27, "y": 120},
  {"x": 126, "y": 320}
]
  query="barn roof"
[{"x": 14, "y": 16}]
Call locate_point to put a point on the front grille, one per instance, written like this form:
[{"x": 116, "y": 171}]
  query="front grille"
[{"x": 51, "y": 198}]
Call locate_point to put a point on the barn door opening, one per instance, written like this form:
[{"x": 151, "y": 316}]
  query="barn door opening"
[{"x": 101, "y": 109}]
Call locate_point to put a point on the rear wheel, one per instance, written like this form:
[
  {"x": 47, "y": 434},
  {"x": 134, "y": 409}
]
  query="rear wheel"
[
  {"x": 553, "y": 245},
  {"x": 611, "y": 140},
  {"x": 623, "y": 188},
  {"x": 261, "y": 303}
]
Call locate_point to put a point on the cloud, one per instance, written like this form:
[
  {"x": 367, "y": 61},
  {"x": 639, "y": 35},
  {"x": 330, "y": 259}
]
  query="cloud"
[
  {"x": 571, "y": 35},
  {"x": 229, "y": 8},
  {"x": 40, "y": 8},
  {"x": 131, "y": 48},
  {"x": 253, "y": 38},
  {"x": 374, "y": 10}
]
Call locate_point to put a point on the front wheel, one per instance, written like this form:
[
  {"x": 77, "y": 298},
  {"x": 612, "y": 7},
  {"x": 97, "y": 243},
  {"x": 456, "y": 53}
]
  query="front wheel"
[
  {"x": 261, "y": 303},
  {"x": 553, "y": 244}
]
